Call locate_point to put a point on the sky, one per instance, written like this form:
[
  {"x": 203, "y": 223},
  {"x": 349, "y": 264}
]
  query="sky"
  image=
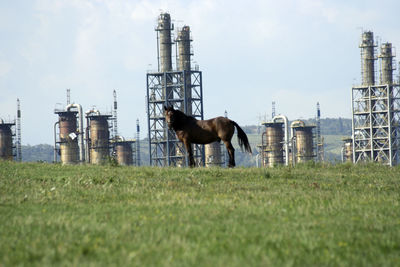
[{"x": 293, "y": 52}]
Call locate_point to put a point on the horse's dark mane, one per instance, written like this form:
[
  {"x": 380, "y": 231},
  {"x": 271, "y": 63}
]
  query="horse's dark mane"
[{"x": 181, "y": 119}]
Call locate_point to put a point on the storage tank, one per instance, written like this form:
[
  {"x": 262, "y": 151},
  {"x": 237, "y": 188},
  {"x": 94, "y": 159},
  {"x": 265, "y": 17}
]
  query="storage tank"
[
  {"x": 347, "y": 149},
  {"x": 213, "y": 155},
  {"x": 6, "y": 140},
  {"x": 304, "y": 142},
  {"x": 273, "y": 143},
  {"x": 68, "y": 137},
  {"x": 124, "y": 152},
  {"x": 99, "y": 138}
]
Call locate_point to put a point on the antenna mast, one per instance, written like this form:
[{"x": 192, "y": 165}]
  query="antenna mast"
[
  {"x": 320, "y": 145},
  {"x": 137, "y": 143},
  {"x": 115, "y": 128},
  {"x": 273, "y": 109},
  {"x": 19, "y": 150},
  {"x": 68, "y": 96}
]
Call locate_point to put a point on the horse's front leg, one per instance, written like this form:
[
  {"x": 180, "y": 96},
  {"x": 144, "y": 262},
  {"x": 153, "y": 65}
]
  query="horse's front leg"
[{"x": 189, "y": 150}]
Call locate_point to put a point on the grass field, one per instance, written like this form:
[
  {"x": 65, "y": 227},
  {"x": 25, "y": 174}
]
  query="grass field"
[{"x": 314, "y": 215}]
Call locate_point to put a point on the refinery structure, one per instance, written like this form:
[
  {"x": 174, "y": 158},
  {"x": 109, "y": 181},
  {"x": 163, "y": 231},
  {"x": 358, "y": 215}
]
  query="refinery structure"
[
  {"x": 289, "y": 143},
  {"x": 93, "y": 137},
  {"x": 96, "y": 143},
  {"x": 180, "y": 87},
  {"x": 10, "y": 137},
  {"x": 376, "y": 106}
]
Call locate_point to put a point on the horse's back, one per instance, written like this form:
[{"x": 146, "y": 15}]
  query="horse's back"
[{"x": 223, "y": 127}]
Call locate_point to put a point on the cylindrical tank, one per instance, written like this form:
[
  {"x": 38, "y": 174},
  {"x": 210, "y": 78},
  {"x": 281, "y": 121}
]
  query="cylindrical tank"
[
  {"x": 213, "y": 154},
  {"x": 304, "y": 143},
  {"x": 6, "y": 141},
  {"x": 274, "y": 136},
  {"x": 165, "y": 43},
  {"x": 386, "y": 57},
  {"x": 68, "y": 139},
  {"x": 348, "y": 149},
  {"x": 99, "y": 138},
  {"x": 368, "y": 58},
  {"x": 123, "y": 151}
]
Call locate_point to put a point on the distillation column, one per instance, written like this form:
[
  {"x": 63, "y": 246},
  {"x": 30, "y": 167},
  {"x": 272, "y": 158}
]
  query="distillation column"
[
  {"x": 164, "y": 29},
  {"x": 368, "y": 58},
  {"x": 273, "y": 144},
  {"x": 124, "y": 152},
  {"x": 304, "y": 143},
  {"x": 6, "y": 141},
  {"x": 184, "y": 64},
  {"x": 99, "y": 140},
  {"x": 362, "y": 103},
  {"x": 69, "y": 149},
  {"x": 385, "y": 114},
  {"x": 165, "y": 44}
]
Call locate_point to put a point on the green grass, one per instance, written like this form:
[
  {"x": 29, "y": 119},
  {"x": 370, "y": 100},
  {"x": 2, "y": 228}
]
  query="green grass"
[{"x": 313, "y": 214}]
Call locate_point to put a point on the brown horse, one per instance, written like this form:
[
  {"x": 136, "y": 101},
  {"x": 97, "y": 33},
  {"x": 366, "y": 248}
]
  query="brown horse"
[{"x": 190, "y": 130}]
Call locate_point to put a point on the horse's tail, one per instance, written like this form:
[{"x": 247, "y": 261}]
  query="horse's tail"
[{"x": 242, "y": 138}]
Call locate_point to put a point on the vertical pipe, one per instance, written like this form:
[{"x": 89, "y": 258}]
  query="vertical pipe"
[
  {"x": 81, "y": 133},
  {"x": 286, "y": 142},
  {"x": 55, "y": 141},
  {"x": 137, "y": 143},
  {"x": 19, "y": 142}
]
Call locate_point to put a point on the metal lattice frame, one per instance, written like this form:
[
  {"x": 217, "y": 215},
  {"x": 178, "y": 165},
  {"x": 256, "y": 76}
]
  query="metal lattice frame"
[
  {"x": 169, "y": 89},
  {"x": 376, "y": 117}
]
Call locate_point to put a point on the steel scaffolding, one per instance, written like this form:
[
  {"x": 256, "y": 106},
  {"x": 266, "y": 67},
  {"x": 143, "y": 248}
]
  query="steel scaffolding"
[
  {"x": 169, "y": 89},
  {"x": 376, "y": 117}
]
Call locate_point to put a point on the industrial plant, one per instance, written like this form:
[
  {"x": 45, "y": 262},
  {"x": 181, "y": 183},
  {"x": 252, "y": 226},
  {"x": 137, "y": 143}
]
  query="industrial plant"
[
  {"x": 290, "y": 143},
  {"x": 95, "y": 144},
  {"x": 180, "y": 87},
  {"x": 376, "y": 106},
  {"x": 92, "y": 137},
  {"x": 10, "y": 137}
]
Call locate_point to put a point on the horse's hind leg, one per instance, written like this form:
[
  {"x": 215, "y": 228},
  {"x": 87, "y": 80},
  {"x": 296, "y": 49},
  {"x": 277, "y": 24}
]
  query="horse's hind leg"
[
  {"x": 189, "y": 150},
  {"x": 231, "y": 153}
]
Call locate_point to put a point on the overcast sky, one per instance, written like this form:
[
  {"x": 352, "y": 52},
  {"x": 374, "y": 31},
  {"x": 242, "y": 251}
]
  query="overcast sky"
[{"x": 251, "y": 53}]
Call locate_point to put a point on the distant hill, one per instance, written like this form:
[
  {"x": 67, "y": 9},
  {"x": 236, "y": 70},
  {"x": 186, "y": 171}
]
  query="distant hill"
[
  {"x": 42, "y": 152},
  {"x": 331, "y": 129}
]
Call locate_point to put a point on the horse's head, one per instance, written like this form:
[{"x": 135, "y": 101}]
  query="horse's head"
[{"x": 170, "y": 115}]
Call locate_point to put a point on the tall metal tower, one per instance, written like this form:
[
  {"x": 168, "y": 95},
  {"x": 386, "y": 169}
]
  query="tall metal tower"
[
  {"x": 18, "y": 141},
  {"x": 376, "y": 108},
  {"x": 137, "y": 143},
  {"x": 68, "y": 96},
  {"x": 273, "y": 109},
  {"x": 320, "y": 145},
  {"x": 115, "y": 119},
  {"x": 171, "y": 88}
]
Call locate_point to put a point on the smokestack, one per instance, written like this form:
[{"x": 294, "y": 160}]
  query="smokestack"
[
  {"x": 368, "y": 58},
  {"x": 386, "y": 57},
  {"x": 164, "y": 28}
]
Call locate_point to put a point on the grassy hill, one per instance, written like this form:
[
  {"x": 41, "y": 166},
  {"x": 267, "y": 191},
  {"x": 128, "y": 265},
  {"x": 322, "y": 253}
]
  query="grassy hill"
[{"x": 310, "y": 215}]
